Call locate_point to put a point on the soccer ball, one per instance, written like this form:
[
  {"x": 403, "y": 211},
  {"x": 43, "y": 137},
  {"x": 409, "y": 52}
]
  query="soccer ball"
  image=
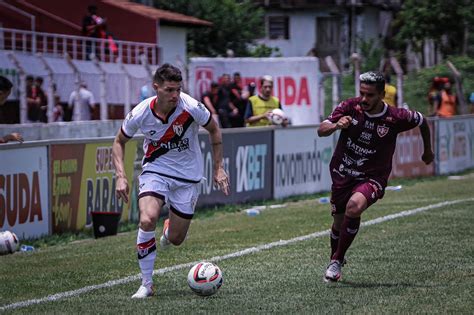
[
  {"x": 8, "y": 242},
  {"x": 277, "y": 116},
  {"x": 205, "y": 278}
]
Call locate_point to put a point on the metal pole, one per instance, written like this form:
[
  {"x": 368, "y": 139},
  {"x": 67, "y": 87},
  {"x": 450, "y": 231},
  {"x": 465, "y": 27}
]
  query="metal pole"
[{"x": 23, "y": 100}]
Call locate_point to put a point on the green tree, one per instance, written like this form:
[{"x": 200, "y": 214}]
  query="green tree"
[
  {"x": 448, "y": 23},
  {"x": 236, "y": 25}
]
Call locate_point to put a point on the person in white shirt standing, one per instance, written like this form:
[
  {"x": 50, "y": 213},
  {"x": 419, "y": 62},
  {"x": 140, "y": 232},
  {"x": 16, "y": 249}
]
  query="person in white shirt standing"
[
  {"x": 81, "y": 102},
  {"x": 172, "y": 165}
]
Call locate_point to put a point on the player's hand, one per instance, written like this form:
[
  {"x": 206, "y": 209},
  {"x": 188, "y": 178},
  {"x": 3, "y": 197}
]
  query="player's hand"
[
  {"x": 15, "y": 137},
  {"x": 221, "y": 179},
  {"x": 428, "y": 157},
  {"x": 344, "y": 122},
  {"x": 121, "y": 188}
]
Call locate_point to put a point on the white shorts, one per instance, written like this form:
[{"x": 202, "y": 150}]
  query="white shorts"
[{"x": 181, "y": 196}]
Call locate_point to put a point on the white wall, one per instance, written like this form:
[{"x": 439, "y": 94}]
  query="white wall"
[
  {"x": 302, "y": 34},
  {"x": 172, "y": 41}
]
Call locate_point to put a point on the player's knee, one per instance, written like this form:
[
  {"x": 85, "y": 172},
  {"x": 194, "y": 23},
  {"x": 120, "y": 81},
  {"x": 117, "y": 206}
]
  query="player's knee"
[
  {"x": 353, "y": 210},
  {"x": 176, "y": 240},
  {"x": 147, "y": 223}
]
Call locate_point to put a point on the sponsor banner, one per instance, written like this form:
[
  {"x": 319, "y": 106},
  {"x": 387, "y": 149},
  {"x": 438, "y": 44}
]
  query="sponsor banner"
[
  {"x": 407, "y": 157},
  {"x": 455, "y": 146},
  {"x": 301, "y": 162},
  {"x": 296, "y": 81},
  {"x": 24, "y": 192},
  {"x": 83, "y": 180},
  {"x": 247, "y": 160}
]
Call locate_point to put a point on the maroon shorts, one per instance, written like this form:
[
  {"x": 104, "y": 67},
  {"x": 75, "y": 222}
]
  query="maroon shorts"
[{"x": 371, "y": 189}]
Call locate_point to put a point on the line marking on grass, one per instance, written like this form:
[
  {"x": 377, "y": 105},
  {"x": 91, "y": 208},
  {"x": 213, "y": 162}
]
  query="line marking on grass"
[{"x": 247, "y": 251}]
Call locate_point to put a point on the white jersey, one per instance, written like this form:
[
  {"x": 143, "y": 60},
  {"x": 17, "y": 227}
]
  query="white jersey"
[
  {"x": 171, "y": 148},
  {"x": 82, "y": 103}
]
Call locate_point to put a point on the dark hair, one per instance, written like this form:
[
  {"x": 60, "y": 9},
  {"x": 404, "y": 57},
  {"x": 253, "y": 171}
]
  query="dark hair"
[
  {"x": 214, "y": 85},
  {"x": 373, "y": 78},
  {"x": 167, "y": 72},
  {"x": 39, "y": 79},
  {"x": 30, "y": 78},
  {"x": 5, "y": 84},
  {"x": 92, "y": 8}
]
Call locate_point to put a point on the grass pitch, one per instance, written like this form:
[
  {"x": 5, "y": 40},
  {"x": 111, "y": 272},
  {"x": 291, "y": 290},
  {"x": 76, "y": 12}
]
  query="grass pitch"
[{"x": 415, "y": 264}]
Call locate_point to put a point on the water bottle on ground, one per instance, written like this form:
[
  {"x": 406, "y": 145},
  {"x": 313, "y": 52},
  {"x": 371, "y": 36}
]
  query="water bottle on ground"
[{"x": 26, "y": 248}]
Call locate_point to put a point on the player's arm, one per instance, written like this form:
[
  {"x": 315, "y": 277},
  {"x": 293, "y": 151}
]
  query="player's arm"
[
  {"x": 220, "y": 176},
  {"x": 428, "y": 155},
  {"x": 118, "y": 153},
  {"x": 11, "y": 137},
  {"x": 327, "y": 128}
]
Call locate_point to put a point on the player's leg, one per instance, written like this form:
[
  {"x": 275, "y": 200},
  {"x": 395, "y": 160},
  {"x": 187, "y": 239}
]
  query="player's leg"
[
  {"x": 363, "y": 196},
  {"x": 350, "y": 224},
  {"x": 339, "y": 199},
  {"x": 182, "y": 201},
  {"x": 151, "y": 200}
]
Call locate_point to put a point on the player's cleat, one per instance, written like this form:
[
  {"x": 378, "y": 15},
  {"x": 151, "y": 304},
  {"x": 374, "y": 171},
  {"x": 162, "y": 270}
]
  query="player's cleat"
[
  {"x": 333, "y": 271},
  {"x": 144, "y": 292},
  {"x": 164, "y": 242}
]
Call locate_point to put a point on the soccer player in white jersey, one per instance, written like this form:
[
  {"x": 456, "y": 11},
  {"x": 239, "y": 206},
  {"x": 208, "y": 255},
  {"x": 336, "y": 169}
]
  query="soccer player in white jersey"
[{"x": 172, "y": 164}]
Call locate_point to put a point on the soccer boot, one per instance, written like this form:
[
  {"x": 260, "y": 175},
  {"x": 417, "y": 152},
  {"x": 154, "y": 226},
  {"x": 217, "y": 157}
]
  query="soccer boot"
[
  {"x": 333, "y": 271},
  {"x": 144, "y": 292},
  {"x": 164, "y": 242}
]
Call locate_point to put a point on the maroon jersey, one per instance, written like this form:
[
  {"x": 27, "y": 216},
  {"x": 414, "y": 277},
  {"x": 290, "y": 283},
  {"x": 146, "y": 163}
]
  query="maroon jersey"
[{"x": 365, "y": 149}]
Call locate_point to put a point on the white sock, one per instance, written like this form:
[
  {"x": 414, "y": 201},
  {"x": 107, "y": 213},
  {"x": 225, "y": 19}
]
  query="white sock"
[{"x": 146, "y": 248}]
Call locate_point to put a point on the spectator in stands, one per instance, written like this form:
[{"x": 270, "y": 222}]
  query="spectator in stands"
[
  {"x": 146, "y": 91},
  {"x": 95, "y": 26},
  {"x": 5, "y": 90},
  {"x": 58, "y": 110},
  {"x": 209, "y": 99},
  {"x": 225, "y": 108},
  {"x": 92, "y": 22},
  {"x": 239, "y": 98},
  {"x": 43, "y": 100},
  {"x": 471, "y": 102},
  {"x": 434, "y": 94},
  {"x": 33, "y": 100},
  {"x": 81, "y": 103},
  {"x": 447, "y": 101},
  {"x": 259, "y": 106},
  {"x": 390, "y": 92}
]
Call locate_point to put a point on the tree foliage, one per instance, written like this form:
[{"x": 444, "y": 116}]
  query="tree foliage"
[
  {"x": 443, "y": 21},
  {"x": 236, "y": 25}
]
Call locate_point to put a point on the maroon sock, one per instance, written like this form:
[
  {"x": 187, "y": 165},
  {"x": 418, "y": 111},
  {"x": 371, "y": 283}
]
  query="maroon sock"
[
  {"x": 349, "y": 229},
  {"x": 334, "y": 237}
]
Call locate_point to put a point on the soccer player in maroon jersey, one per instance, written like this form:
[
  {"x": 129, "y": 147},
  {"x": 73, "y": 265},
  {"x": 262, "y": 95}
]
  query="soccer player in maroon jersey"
[{"x": 362, "y": 160}]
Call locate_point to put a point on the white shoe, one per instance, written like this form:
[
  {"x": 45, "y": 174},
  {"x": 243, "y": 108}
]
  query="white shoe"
[
  {"x": 333, "y": 271},
  {"x": 144, "y": 292},
  {"x": 164, "y": 242}
]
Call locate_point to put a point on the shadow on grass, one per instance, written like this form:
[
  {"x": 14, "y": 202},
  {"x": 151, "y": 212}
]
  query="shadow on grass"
[{"x": 353, "y": 284}]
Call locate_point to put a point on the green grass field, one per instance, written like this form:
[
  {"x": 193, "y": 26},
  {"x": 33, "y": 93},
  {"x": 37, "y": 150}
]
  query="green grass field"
[{"x": 420, "y": 263}]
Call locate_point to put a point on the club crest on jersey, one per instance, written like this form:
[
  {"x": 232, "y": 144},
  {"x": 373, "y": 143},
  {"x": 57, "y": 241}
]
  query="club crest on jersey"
[
  {"x": 178, "y": 129},
  {"x": 382, "y": 131}
]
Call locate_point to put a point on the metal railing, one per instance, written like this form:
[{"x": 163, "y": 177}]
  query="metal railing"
[{"x": 78, "y": 47}]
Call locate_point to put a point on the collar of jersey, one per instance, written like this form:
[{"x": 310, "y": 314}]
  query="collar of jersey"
[
  {"x": 152, "y": 106},
  {"x": 378, "y": 114}
]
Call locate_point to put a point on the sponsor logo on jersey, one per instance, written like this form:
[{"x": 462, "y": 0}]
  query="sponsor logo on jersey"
[
  {"x": 369, "y": 125},
  {"x": 382, "y": 131}
]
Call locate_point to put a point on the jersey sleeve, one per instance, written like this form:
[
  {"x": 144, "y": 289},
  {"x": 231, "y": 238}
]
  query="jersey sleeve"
[
  {"x": 341, "y": 110},
  {"x": 199, "y": 111},
  {"x": 130, "y": 124},
  {"x": 408, "y": 119}
]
